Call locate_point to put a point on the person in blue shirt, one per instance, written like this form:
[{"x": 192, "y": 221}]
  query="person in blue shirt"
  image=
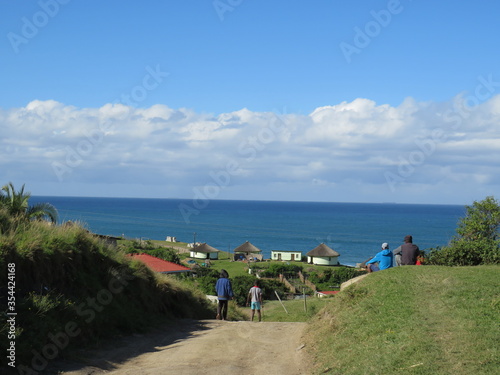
[
  {"x": 383, "y": 258},
  {"x": 224, "y": 292}
]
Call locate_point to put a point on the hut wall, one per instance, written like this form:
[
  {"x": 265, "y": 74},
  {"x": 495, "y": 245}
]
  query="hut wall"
[
  {"x": 214, "y": 256},
  {"x": 198, "y": 255},
  {"x": 323, "y": 261}
]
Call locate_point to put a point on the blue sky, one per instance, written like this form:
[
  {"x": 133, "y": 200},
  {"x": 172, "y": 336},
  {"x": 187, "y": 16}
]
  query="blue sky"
[{"x": 369, "y": 101}]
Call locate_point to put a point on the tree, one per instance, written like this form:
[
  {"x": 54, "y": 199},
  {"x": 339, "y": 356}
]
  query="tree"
[
  {"x": 477, "y": 240},
  {"x": 17, "y": 204}
]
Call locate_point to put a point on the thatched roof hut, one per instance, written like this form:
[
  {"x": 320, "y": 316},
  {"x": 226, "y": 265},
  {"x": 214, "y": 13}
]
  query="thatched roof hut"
[
  {"x": 323, "y": 255},
  {"x": 248, "y": 251},
  {"x": 204, "y": 251}
]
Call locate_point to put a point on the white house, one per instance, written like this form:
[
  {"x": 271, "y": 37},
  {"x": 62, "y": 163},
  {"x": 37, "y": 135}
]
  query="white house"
[
  {"x": 204, "y": 251},
  {"x": 286, "y": 255},
  {"x": 323, "y": 255}
]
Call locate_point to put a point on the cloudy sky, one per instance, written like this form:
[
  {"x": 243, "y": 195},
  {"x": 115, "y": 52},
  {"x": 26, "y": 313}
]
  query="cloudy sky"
[{"x": 344, "y": 101}]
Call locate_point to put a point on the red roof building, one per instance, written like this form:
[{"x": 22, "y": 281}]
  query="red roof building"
[
  {"x": 327, "y": 293},
  {"x": 159, "y": 265}
]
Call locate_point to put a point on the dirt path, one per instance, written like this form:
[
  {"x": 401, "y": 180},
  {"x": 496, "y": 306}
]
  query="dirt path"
[{"x": 202, "y": 347}]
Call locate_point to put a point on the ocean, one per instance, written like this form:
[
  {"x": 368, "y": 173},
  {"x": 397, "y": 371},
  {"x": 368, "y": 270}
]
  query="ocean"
[{"x": 355, "y": 230}]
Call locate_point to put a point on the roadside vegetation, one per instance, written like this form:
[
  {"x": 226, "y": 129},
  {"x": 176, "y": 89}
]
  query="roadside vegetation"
[{"x": 69, "y": 289}]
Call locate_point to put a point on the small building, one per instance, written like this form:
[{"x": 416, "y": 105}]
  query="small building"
[
  {"x": 204, "y": 251},
  {"x": 247, "y": 251},
  {"x": 323, "y": 255},
  {"x": 171, "y": 239},
  {"x": 160, "y": 265},
  {"x": 326, "y": 293},
  {"x": 286, "y": 255}
]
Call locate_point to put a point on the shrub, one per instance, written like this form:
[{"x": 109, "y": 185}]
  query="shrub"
[
  {"x": 275, "y": 269},
  {"x": 477, "y": 239},
  {"x": 333, "y": 277},
  {"x": 242, "y": 284}
]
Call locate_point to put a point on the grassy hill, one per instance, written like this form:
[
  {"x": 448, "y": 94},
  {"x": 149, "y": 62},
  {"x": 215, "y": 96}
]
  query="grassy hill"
[
  {"x": 73, "y": 290},
  {"x": 412, "y": 320}
]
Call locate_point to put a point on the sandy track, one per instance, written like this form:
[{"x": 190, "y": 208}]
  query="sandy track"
[{"x": 202, "y": 347}]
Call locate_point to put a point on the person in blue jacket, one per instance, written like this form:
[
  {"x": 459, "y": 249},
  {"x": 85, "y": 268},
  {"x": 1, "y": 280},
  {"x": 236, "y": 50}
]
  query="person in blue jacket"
[
  {"x": 383, "y": 258},
  {"x": 224, "y": 292}
]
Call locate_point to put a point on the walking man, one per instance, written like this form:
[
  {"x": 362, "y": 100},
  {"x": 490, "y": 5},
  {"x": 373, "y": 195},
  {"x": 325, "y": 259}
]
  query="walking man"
[
  {"x": 255, "y": 297},
  {"x": 224, "y": 292}
]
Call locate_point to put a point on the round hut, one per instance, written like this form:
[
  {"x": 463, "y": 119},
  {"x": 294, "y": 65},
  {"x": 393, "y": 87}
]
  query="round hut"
[
  {"x": 323, "y": 255},
  {"x": 204, "y": 251},
  {"x": 247, "y": 251}
]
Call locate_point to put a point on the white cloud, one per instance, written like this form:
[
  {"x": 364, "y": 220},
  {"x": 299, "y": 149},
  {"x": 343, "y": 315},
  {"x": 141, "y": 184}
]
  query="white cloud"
[{"x": 419, "y": 145}]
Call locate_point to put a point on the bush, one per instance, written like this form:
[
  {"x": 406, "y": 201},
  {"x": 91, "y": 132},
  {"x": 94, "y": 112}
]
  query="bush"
[
  {"x": 477, "y": 239},
  {"x": 242, "y": 284},
  {"x": 275, "y": 269},
  {"x": 206, "y": 279},
  {"x": 333, "y": 277}
]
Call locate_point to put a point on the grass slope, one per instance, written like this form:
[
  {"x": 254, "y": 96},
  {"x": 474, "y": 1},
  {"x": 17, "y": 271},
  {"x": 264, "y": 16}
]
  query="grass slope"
[
  {"x": 72, "y": 290},
  {"x": 412, "y": 320}
]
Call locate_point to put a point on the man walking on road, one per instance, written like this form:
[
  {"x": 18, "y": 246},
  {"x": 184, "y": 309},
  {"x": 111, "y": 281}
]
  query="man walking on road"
[
  {"x": 224, "y": 292},
  {"x": 255, "y": 296}
]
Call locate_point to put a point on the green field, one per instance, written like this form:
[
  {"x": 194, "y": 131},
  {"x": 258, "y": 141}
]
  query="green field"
[{"x": 411, "y": 320}]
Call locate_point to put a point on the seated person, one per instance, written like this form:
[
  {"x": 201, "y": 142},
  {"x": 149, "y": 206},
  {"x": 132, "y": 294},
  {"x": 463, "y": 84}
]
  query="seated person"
[{"x": 383, "y": 258}]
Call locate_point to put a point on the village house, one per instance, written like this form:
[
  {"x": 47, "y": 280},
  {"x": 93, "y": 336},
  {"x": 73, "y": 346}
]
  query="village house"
[
  {"x": 160, "y": 265},
  {"x": 204, "y": 251},
  {"x": 247, "y": 251},
  {"x": 323, "y": 255},
  {"x": 286, "y": 255}
]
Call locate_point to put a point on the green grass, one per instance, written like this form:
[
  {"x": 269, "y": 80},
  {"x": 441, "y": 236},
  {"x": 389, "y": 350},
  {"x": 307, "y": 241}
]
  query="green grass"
[
  {"x": 411, "y": 320},
  {"x": 233, "y": 268},
  {"x": 64, "y": 274},
  {"x": 295, "y": 310}
]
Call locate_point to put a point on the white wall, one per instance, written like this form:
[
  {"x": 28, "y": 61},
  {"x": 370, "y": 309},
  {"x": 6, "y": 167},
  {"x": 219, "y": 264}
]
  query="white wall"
[
  {"x": 324, "y": 261},
  {"x": 286, "y": 255}
]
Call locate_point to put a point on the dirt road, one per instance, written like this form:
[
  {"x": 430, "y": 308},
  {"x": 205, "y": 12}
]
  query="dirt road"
[{"x": 202, "y": 347}]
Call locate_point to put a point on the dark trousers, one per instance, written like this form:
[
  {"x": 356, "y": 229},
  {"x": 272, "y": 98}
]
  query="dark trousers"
[{"x": 222, "y": 309}]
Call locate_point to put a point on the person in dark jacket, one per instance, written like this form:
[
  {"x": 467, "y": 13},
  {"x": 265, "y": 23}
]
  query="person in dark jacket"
[
  {"x": 224, "y": 292},
  {"x": 408, "y": 252}
]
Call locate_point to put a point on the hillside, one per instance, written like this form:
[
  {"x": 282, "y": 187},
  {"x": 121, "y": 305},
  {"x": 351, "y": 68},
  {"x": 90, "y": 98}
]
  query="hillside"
[
  {"x": 444, "y": 322},
  {"x": 411, "y": 320},
  {"x": 68, "y": 289}
]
